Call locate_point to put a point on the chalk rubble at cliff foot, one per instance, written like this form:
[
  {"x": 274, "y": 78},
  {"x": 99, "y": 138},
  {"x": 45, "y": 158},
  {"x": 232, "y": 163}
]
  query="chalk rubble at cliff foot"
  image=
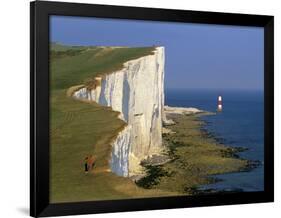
[{"x": 137, "y": 92}]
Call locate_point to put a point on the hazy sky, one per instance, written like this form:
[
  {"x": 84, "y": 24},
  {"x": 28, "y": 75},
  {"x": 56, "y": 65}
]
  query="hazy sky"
[{"x": 197, "y": 55}]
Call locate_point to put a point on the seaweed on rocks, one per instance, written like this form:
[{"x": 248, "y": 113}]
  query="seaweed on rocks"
[{"x": 152, "y": 178}]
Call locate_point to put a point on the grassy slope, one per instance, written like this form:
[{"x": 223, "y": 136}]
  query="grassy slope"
[
  {"x": 74, "y": 70},
  {"x": 79, "y": 129},
  {"x": 59, "y": 47}
]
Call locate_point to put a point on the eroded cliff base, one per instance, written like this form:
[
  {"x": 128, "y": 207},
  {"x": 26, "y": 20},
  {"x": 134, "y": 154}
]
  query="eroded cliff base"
[{"x": 194, "y": 157}]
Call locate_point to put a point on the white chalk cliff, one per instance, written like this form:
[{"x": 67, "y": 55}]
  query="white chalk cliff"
[{"x": 137, "y": 92}]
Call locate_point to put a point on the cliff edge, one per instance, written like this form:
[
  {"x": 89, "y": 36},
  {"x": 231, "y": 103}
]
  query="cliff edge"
[{"x": 137, "y": 92}]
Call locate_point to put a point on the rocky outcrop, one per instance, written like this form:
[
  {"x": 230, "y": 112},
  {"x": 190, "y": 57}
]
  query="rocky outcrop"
[
  {"x": 137, "y": 92},
  {"x": 181, "y": 110}
]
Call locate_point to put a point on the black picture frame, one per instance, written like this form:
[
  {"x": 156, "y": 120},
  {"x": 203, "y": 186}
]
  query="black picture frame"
[{"x": 39, "y": 107}]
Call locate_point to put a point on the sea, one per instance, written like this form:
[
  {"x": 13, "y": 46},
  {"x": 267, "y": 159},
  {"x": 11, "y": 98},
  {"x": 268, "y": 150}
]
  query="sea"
[{"x": 240, "y": 124}]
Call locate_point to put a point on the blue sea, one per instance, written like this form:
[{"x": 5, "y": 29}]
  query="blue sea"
[{"x": 240, "y": 124}]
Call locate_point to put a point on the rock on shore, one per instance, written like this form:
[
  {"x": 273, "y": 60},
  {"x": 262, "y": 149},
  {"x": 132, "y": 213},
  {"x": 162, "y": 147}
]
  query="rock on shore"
[
  {"x": 177, "y": 110},
  {"x": 181, "y": 110}
]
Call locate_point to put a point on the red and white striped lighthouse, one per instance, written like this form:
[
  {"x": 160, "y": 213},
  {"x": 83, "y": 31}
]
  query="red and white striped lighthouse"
[{"x": 219, "y": 103}]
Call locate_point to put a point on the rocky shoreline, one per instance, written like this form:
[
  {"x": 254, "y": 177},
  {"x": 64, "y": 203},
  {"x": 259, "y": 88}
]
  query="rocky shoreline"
[{"x": 193, "y": 156}]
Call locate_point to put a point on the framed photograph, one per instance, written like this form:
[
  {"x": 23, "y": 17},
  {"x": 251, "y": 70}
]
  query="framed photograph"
[{"x": 144, "y": 108}]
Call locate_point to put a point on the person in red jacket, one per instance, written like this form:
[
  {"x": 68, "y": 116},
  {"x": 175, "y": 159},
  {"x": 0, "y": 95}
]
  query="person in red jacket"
[{"x": 89, "y": 163}]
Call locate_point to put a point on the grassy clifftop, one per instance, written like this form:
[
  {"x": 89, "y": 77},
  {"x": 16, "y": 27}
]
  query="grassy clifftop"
[
  {"x": 79, "y": 129},
  {"x": 73, "y": 66}
]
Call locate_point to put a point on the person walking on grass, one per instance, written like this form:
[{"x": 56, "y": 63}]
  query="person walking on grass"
[
  {"x": 89, "y": 163},
  {"x": 86, "y": 167}
]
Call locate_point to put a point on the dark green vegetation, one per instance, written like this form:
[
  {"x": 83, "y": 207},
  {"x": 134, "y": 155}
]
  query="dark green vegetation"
[
  {"x": 153, "y": 177},
  {"x": 194, "y": 157},
  {"x": 79, "y": 129}
]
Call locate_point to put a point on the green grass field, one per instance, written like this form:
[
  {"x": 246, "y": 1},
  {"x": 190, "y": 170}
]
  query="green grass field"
[{"x": 79, "y": 129}]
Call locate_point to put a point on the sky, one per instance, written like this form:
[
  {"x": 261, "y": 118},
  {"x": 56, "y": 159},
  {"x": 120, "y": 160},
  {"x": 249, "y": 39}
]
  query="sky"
[{"x": 197, "y": 56}]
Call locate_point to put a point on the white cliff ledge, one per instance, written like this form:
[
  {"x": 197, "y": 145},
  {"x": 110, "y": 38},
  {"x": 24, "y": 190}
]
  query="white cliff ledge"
[
  {"x": 137, "y": 92},
  {"x": 176, "y": 110},
  {"x": 181, "y": 110}
]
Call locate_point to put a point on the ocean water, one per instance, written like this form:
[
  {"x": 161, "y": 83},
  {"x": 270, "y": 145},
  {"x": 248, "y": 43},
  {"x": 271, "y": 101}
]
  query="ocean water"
[{"x": 240, "y": 124}]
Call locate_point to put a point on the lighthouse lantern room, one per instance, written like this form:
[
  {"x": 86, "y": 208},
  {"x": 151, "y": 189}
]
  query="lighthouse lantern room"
[{"x": 219, "y": 103}]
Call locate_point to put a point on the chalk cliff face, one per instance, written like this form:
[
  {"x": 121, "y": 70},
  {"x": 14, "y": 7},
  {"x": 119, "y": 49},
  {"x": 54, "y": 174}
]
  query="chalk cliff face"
[
  {"x": 137, "y": 91},
  {"x": 120, "y": 153}
]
